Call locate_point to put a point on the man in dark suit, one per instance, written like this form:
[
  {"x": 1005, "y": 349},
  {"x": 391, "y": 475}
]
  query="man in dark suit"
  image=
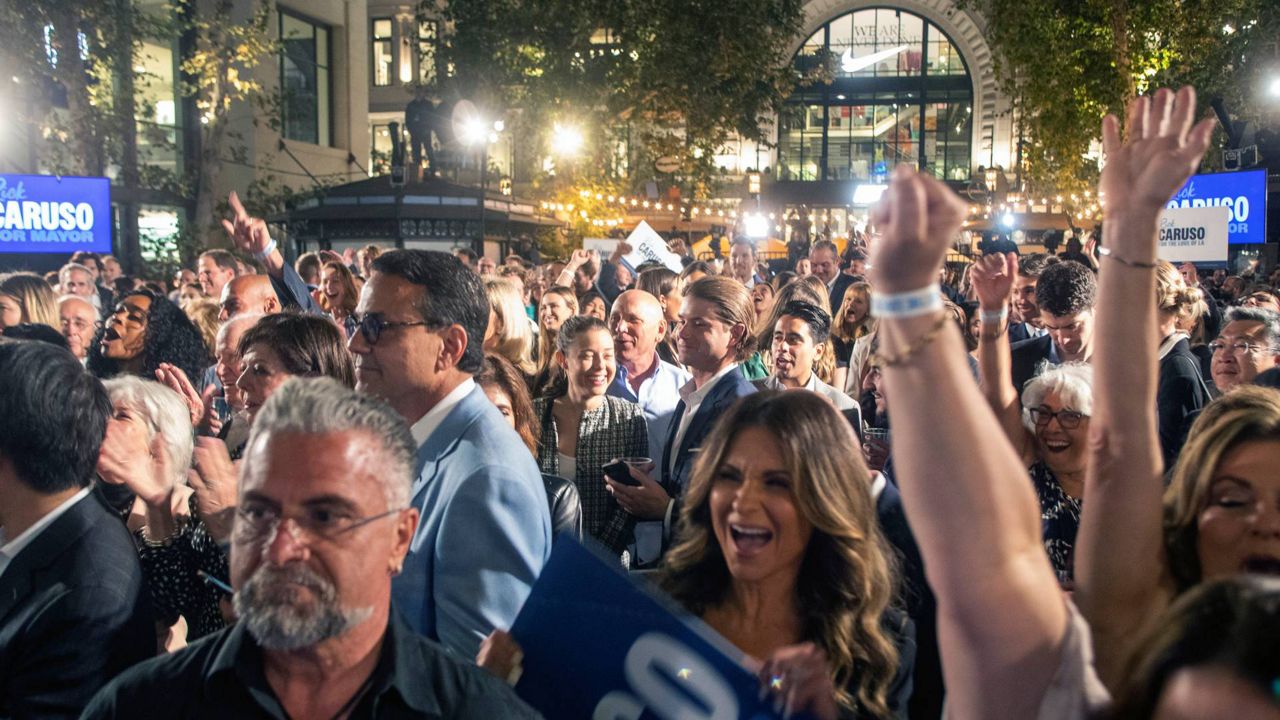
[
  {"x": 825, "y": 259},
  {"x": 1026, "y": 324},
  {"x": 714, "y": 335},
  {"x": 1065, "y": 294},
  {"x": 73, "y": 608}
]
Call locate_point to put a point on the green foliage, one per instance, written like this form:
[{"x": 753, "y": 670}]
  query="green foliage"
[
  {"x": 1066, "y": 63},
  {"x": 660, "y": 77}
]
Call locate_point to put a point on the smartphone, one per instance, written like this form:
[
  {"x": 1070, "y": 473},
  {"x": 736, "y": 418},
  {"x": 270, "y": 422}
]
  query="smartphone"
[{"x": 617, "y": 471}]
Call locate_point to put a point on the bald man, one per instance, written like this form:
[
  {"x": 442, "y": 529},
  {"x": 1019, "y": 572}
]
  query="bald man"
[
  {"x": 638, "y": 325},
  {"x": 248, "y": 294},
  {"x": 79, "y": 323}
]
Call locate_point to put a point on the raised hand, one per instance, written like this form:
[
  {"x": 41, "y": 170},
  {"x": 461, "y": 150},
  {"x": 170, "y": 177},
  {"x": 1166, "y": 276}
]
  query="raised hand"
[
  {"x": 176, "y": 379},
  {"x": 214, "y": 483},
  {"x": 918, "y": 218},
  {"x": 248, "y": 234},
  {"x": 1160, "y": 152},
  {"x": 991, "y": 277},
  {"x": 126, "y": 458},
  {"x": 580, "y": 257},
  {"x": 799, "y": 678}
]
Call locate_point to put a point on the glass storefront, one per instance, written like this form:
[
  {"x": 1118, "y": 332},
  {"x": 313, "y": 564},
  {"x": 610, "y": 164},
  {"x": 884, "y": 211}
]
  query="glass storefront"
[{"x": 900, "y": 94}]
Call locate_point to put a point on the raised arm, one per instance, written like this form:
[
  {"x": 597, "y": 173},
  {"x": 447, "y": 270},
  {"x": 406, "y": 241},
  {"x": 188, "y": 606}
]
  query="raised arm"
[
  {"x": 1001, "y": 617},
  {"x": 992, "y": 278},
  {"x": 1120, "y": 561}
]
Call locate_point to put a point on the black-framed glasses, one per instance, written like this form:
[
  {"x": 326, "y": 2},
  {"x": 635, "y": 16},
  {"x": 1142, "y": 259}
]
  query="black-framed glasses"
[
  {"x": 1068, "y": 419},
  {"x": 256, "y": 521},
  {"x": 371, "y": 326}
]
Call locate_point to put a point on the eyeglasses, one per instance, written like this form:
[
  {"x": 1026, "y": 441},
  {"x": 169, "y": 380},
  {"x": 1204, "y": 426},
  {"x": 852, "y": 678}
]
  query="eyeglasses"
[
  {"x": 371, "y": 326},
  {"x": 256, "y": 521},
  {"x": 1068, "y": 419},
  {"x": 1239, "y": 347},
  {"x": 79, "y": 324}
]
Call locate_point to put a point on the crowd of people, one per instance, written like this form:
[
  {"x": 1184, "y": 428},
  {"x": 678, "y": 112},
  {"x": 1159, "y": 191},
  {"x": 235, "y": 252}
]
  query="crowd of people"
[{"x": 326, "y": 488}]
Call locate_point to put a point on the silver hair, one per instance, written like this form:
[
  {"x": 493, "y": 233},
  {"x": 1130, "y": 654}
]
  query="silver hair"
[
  {"x": 247, "y": 319},
  {"x": 71, "y": 267},
  {"x": 323, "y": 405},
  {"x": 1073, "y": 384},
  {"x": 165, "y": 413},
  {"x": 1269, "y": 318}
]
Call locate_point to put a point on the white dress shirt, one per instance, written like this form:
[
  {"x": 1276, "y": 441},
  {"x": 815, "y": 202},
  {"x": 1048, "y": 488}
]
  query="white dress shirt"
[
  {"x": 837, "y": 398},
  {"x": 693, "y": 397},
  {"x": 428, "y": 423},
  {"x": 10, "y": 549}
]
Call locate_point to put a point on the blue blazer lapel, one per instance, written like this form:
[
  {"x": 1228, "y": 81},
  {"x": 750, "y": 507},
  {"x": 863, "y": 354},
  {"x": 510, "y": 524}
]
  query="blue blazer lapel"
[
  {"x": 712, "y": 406},
  {"x": 671, "y": 438},
  {"x": 444, "y": 440}
]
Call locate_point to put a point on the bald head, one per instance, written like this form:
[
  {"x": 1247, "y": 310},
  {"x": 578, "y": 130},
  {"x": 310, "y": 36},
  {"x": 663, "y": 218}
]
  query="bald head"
[
  {"x": 248, "y": 294},
  {"x": 638, "y": 325},
  {"x": 78, "y": 320}
]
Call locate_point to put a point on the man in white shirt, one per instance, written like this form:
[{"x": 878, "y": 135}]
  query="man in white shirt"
[
  {"x": 799, "y": 340},
  {"x": 73, "y": 608},
  {"x": 485, "y": 528},
  {"x": 716, "y": 317},
  {"x": 638, "y": 325}
]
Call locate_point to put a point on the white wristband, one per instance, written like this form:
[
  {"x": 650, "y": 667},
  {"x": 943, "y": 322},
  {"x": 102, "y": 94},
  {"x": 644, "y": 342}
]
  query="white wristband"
[
  {"x": 908, "y": 304},
  {"x": 996, "y": 316},
  {"x": 266, "y": 251}
]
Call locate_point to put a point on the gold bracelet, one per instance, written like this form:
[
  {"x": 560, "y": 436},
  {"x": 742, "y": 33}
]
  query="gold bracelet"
[{"x": 915, "y": 347}]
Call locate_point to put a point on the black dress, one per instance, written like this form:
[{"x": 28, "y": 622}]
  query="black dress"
[{"x": 172, "y": 570}]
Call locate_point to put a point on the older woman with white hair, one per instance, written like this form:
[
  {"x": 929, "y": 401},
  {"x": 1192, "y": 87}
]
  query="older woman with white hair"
[
  {"x": 143, "y": 466},
  {"x": 1051, "y": 429}
]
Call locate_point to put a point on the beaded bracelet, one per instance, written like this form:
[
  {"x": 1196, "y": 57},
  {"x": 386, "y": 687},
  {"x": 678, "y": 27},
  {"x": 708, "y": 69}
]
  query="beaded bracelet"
[
  {"x": 1106, "y": 252},
  {"x": 915, "y": 347}
]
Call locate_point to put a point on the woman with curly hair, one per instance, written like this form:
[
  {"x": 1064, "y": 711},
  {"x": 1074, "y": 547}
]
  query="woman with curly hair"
[
  {"x": 144, "y": 332},
  {"x": 780, "y": 552},
  {"x": 203, "y": 313},
  {"x": 27, "y": 298}
]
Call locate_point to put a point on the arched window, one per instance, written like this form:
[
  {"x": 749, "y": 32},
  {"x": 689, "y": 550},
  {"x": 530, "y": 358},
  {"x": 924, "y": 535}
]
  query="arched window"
[{"x": 899, "y": 93}]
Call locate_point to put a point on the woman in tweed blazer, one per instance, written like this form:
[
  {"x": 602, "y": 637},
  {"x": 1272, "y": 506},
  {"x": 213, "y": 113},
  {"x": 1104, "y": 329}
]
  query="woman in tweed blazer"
[{"x": 582, "y": 429}]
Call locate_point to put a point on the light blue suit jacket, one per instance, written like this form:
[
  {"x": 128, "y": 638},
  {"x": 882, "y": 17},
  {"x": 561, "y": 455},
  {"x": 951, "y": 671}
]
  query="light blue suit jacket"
[{"x": 484, "y": 533}]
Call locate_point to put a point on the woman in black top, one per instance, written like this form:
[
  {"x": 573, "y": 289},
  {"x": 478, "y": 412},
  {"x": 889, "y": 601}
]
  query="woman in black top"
[{"x": 1181, "y": 392}]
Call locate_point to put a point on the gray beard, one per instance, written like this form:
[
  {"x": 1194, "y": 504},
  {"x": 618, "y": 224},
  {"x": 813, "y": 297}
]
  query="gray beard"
[{"x": 277, "y": 621}]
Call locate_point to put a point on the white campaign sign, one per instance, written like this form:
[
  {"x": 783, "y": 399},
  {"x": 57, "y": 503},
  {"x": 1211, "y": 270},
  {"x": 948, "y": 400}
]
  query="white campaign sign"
[
  {"x": 1193, "y": 234},
  {"x": 648, "y": 246}
]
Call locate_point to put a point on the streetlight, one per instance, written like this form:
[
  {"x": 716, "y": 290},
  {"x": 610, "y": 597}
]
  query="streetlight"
[
  {"x": 478, "y": 131},
  {"x": 566, "y": 140}
]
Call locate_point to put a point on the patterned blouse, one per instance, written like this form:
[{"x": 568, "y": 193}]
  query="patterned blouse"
[
  {"x": 172, "y": 570},
  {"x": 1059, "y": 520},
  {"x": 614, "y": 430}
]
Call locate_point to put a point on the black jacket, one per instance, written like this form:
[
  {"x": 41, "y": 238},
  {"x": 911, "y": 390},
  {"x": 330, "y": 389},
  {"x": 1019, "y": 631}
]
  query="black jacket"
[
  {"x": 73, "y": 614},
  {"x": 1028, "y": 356},
  {"x": 1180, "y": 395}
]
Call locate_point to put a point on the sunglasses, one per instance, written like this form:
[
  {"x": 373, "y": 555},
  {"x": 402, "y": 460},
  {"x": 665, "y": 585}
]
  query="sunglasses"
[{"x": 371, "y": 326}]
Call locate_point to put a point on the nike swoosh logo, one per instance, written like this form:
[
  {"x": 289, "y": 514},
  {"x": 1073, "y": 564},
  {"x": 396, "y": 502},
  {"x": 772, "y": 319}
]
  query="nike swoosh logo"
[{"x": 850, "y": 64}]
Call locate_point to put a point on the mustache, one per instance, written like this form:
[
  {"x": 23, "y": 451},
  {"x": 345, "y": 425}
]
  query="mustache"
[{"x": 269, "y": 577}]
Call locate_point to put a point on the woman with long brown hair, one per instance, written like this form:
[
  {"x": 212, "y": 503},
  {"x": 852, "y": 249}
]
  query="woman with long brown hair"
[
  {"x": 779, "y": 548},
  {"x": 779, "y": 551},
  {"x": 338, "y": 295}
]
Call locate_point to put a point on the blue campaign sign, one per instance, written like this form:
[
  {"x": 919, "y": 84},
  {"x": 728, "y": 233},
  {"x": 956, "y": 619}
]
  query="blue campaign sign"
[
  {"x": 47, "y": 214},
  {"x": 597, "y": 645},
  {"x": 1244, "y": 193}
]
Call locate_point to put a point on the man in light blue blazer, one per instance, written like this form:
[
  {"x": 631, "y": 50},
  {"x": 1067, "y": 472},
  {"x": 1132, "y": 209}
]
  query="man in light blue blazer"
[{"x": 485, "y": 529}]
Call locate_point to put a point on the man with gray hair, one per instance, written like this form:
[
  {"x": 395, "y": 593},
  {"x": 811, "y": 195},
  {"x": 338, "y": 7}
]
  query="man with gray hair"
[
  {"x": 1248, "y": 345},
  {"x": 76, "y": 279},
  {"x": 322, "y": 526}
]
